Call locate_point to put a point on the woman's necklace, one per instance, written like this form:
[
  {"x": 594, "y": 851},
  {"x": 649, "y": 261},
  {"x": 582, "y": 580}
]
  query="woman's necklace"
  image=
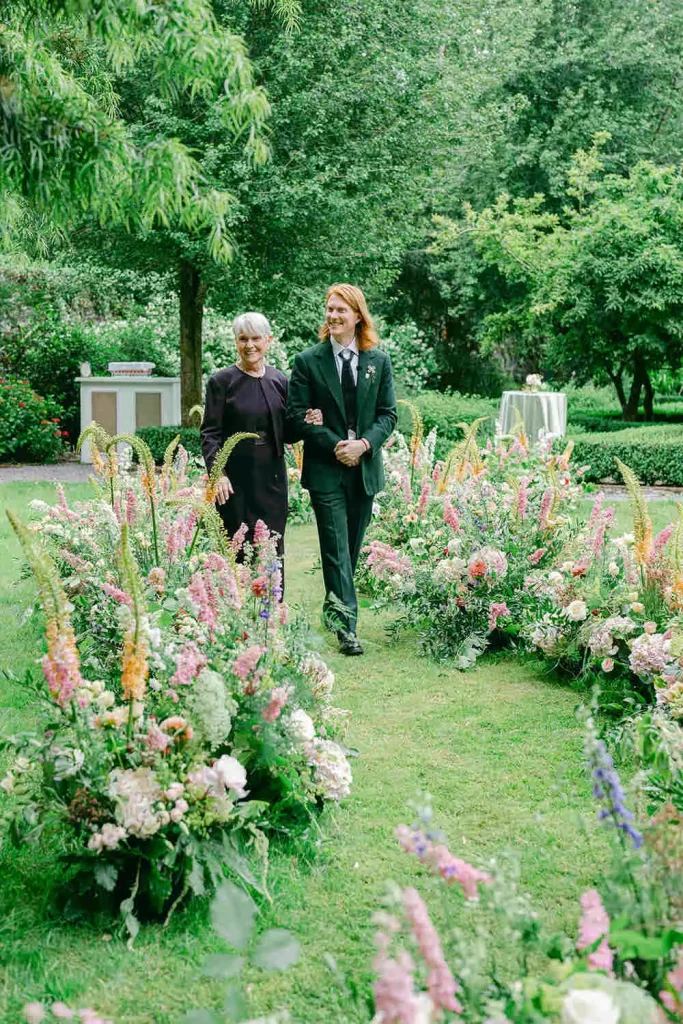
[{"x": 252, "y": 373}]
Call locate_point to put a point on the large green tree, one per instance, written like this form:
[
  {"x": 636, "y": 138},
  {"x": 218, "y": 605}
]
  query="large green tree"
[
  {"x": 70, "y": 155},
  {"x": 602, "y": 281},
  {"x": 359, "y": 137},
  {"x": 527, "y": 83}
]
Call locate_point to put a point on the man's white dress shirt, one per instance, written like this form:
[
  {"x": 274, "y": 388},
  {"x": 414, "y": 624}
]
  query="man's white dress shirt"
[
  {"x": 339, "y": 350},
  {"x": 339, "y": 357}
]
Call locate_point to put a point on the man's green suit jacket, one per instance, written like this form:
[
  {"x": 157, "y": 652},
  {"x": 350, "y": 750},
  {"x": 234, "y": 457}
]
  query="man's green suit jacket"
[{"x": 315, "y": 384}]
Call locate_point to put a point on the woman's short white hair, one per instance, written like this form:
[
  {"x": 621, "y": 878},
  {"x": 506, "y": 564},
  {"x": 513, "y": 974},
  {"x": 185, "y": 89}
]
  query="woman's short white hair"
[{"x": 251, "y": 323}]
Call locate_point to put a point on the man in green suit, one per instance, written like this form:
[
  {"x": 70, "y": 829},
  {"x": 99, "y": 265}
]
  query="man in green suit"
[{"x": 350, "y": 381}]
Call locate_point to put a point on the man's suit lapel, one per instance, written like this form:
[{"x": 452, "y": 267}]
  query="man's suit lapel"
[
  {"x": 366, "y": 359},
  {"x": 329, "y": 372}
]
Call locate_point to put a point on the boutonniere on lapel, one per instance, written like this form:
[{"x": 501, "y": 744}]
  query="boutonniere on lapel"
[{"x": 370, "y": 373}]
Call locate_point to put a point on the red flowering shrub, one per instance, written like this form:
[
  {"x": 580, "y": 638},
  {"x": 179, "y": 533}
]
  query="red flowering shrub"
[{"x": 30, "y": 429}]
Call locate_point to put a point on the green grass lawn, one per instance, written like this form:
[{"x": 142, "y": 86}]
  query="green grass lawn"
[{"x": 498, "y": 748}]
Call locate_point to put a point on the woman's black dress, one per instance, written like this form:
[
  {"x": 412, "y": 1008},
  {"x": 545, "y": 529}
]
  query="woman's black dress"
[{"x": 236, "y": 401}]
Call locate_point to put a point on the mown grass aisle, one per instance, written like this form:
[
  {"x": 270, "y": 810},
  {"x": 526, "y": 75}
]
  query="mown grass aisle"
[{"x": 499, "y": 749}]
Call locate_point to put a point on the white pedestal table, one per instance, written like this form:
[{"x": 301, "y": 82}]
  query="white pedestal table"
[{"x": 539, "y": 410}]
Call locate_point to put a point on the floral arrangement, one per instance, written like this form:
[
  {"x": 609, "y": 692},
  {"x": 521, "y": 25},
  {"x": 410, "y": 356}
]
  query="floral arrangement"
[
  {"x": 608, "y": 609},
  {"x": 184, "y": 716},
  {"x": 624, "y": 965},
  {"x": 453, "y": 541},
  {"x": 534, "y": 382},
  {"x": 489, "y": 544}
]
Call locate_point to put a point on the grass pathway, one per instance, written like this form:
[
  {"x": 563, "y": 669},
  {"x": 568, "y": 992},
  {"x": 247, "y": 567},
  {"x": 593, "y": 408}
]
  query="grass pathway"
[{"x": 498, "y": 748}]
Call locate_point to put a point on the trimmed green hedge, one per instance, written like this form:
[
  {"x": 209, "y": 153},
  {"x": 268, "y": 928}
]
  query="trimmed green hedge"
[
  {"x": 159, "y": 438},
  {"x": 654, "y": 453},
  {"x": 603, "y": 422},
  {"x": 445, "y": 411}
]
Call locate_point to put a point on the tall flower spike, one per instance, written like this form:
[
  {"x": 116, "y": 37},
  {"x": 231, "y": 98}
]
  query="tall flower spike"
[
  {"x": 196, "y": 410},
  {"x": 167, "y": 475},
  {"x": 417, "y": 431},
  {"x": 463, "y": 456},
  {"x": 134, "y": 664},
  {"x": 203, "y": 505},
  {"x": 221, "y": 462},
  {"x": 642, "y": 524},
  {"x": 61, "y": 663},
  {"x": 100, "y": 440},
  {"x": 147, "y": 476},
  {"x": 298, "y": 452}
]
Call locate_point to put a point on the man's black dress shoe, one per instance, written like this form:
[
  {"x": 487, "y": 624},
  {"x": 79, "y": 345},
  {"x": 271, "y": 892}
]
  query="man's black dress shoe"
[{"x": 349, "y": 644}]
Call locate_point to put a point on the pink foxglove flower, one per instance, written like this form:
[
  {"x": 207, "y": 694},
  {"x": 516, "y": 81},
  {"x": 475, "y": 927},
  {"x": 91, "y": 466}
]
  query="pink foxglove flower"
[
  {"x": 116, "y": 594},
  {"x": 497, "y": 610},
  {"x": 441, "y": 984},
  {"x": 594, "y": 924},
  {"x": 261, "y": 534},
  {"x": 523, "y": 498},
  {"x": 189, "y": 662},
  {"x": 396, "y": 1001},
  {"x": 450, "y": 517},
  {"x": 546, "y": 506},
  {"x": 442, "y": 861},
  {"x": 131, "y": 507},
  {"x": 246, "y": 667},
  {"x": 422, "y": 500},
  {"x": 278, "y": 698},
  {"x": 237, "y": 539}
]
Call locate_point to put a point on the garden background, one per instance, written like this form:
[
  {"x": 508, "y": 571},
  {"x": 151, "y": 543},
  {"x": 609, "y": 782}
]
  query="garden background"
[{"x": 504, "y": 181}]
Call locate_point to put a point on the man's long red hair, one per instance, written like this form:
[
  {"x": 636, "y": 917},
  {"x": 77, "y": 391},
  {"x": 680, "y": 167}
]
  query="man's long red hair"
[{"x": 365, "y": 329}]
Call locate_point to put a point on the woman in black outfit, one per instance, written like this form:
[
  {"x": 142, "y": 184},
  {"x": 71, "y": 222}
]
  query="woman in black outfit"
[{"x": 250, "y": 396}]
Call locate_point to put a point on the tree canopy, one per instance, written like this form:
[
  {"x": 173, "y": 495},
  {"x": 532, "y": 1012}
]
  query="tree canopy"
[{"x": 603, "y": 279}]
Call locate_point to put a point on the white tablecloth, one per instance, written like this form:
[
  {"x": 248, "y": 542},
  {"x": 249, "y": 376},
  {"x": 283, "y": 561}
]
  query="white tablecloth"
[{"x": 545, "y": 410}]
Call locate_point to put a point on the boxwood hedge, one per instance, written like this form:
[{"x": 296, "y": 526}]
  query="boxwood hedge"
[
  {"x": 159, "y": 438},
  {"x": 655, "y": 454}
]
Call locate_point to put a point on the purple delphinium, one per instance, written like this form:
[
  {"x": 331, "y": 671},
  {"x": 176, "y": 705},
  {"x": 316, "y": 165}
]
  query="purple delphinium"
[
  {"x": 273, "y": 593},
  {"x": 608, "y": 791}
]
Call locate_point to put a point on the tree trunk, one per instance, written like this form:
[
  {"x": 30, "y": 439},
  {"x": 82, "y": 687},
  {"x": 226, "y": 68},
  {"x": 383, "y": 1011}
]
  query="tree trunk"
[
  {"x": 192, "y": 295},
  {"x": 639, "y": 375},
  {"x": 649, "y": 400},
  {"x": 617, "y": 380}
]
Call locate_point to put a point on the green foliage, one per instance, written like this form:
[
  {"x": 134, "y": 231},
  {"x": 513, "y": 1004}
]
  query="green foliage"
[
  {"x": 655, "y": 454},
  {"x": 603, "y": 280},
  {"x": 158, "y": 439},
  {"x": 580, "y": 422},
  {"x": 446, "y": 412},
  {"x": 30, "y": 428},
  {"x": 67, "y": 151},
  {"x": 413, "y": 359}
]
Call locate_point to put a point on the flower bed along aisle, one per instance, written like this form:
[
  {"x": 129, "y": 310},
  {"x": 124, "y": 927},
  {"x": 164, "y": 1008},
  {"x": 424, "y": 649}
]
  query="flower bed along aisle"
[
  {"x": 184, "y": 719},
  {"x": 490, "y": 543}
]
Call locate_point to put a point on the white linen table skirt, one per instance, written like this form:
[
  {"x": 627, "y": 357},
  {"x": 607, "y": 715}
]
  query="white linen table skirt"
[{"x": 546, "y": 410}]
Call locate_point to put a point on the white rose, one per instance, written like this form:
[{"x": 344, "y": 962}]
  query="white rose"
[
  {"x": 589, "y": 1007},
  {"x": 106, "y": 699},
  {"x": 300, "y": 728},
  {"x": 232, "y": 774},
  {"x": 613, "y": 569},
  {"x": 576, "y": 611}
]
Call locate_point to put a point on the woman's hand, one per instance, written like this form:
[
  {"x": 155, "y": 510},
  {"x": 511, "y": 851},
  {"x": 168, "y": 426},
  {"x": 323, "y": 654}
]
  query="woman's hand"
[
  {"x": 314, "y": 416},
  {"x": 223, "y": 490}
]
